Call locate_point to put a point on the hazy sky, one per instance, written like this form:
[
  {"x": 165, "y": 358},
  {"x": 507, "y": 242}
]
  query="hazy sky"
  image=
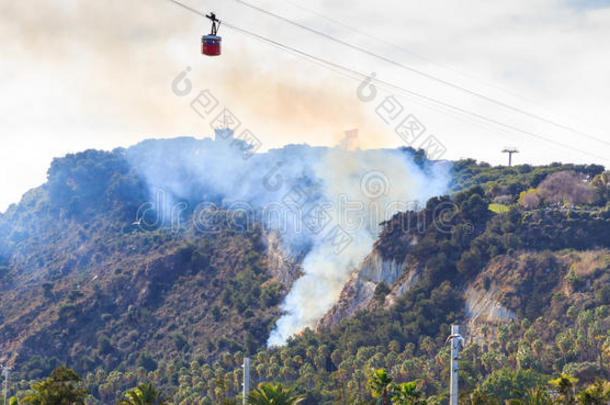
[{"x": 82, "y": 74}]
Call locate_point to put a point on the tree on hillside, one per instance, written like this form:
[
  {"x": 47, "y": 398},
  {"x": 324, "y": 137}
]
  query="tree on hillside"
[
  {"x": 476, "y": 398},
  {"x": 532, "y": 396},
  {"x": 601, "y": 183},
  {"x": 473, "y": 205},
  {"x": 530, "y": 199},
  {"x": 380, "y": 384},
  {"x": 566, "y": 387},
  {"x": 381, "y": 291},
  {"x": 595, "y": 394},
  {"x": 568, "y": 188},
  {"x": 63, "y": 387},
  {"x": 273, "y": 394},
  {"x": 504, "y": 383},
  {"x": 408, "y": 394},
  {"x": 565, "y": 187},
  {"x": 144, "y": 394}
]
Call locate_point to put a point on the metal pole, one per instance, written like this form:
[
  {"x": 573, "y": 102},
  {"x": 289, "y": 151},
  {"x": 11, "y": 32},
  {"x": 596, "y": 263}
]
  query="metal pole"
[
  {"x": 246, "y": 384},
  {"x": 5, "y": 373},
  {"x": 510, "y": 159},
  {"x": 456, "y": 342}
]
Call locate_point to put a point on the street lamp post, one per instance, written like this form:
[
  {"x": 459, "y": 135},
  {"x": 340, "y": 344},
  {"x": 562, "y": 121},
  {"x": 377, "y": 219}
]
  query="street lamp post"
[
  {"x": 246, "y": 383},
  {"x": 457, "y": 342},
  {"x": 5, "y": 373}
]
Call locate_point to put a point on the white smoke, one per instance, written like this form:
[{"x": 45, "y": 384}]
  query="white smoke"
[
  {"x": 324, "y": 202},
  {"x": 368, "y": 188}
]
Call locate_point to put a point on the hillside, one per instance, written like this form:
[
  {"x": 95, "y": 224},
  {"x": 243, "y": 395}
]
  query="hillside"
[
  {"x": 84, "y": 284},
  {"x": 97, "y": 274}
]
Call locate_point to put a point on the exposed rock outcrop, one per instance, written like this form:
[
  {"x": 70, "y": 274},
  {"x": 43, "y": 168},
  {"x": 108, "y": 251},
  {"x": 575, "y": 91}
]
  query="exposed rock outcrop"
[
  {"x": 482, "y": 309},
  {"x": 403, "y": 283},
  {"x": 282, "y": 266},
  {"x": 358, "y": 292}
]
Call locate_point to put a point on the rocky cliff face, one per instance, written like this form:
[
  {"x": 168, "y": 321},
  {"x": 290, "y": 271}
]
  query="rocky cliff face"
[
  {"x": 404, "y": 282},
  {"x": 358, "y": 292},
  {"x": 509, "y": 288},
  {"x": 513, "y": 287},
  {"x": 482, "y": 309},
  {"x": 482, "y": 305},
  {"x": 281, "y": 265}
]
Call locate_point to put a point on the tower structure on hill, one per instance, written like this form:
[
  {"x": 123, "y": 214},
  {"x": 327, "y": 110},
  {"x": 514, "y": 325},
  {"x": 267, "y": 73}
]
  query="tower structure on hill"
[{"x": 510, "y": 151}]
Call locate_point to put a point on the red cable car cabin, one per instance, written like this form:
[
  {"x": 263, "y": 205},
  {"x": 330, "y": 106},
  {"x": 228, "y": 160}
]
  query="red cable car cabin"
[{"x": 210, "y": 44}]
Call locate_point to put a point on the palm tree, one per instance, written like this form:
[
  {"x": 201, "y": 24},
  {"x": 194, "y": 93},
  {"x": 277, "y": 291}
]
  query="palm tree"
[
  {"x": 144, "y": 394},
  {"x": 533, "y": 396},
  {"x": 407, "y": 394},
  {"x": 565, "y": 385},
  {"x": 596, "y": 394},
  {"x": 64, "y": 386},
  {"x": 380, "y": 384},
  {"x": 273, "y": 394},
  {"x": 477, "y": 398}
]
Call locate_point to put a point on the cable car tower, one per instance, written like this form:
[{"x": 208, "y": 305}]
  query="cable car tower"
[
  {"x": 211, "y": 44},
  {"x": 510, "y": 151}
]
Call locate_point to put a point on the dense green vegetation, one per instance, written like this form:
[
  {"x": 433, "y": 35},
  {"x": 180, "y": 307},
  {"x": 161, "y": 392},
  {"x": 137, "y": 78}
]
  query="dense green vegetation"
[
  {"x": 64, "y": 387},
  {"x": 128, "y": 307}
]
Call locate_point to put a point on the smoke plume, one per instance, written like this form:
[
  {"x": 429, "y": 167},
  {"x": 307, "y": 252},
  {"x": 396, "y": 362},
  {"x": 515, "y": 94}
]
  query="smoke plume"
[
  {"x": 325, "y": 203},
  {"x": 363, "y": 188}
]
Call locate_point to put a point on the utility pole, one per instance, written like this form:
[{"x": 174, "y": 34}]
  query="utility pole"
[
  {"x": 246, "y": 384},
  {"x": 457, "y": 341},
  {"x": 5, "y": 373},
  {"x": 510, "y": 151}
]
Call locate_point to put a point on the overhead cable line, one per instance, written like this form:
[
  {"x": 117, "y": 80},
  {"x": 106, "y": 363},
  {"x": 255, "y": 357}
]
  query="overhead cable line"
[
  {"x": 404, "y": 50},
  {"x": 422, "y": 73},
  {"x": 361, "y": 76}
]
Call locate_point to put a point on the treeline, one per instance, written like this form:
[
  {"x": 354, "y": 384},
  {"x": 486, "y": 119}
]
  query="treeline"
[{"x": 64, "y": 386}]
